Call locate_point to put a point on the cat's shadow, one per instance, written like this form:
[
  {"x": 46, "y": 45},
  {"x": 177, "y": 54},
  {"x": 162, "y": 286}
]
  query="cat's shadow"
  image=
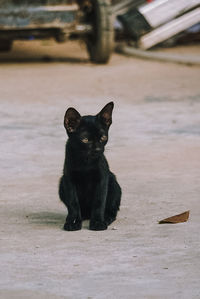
[{"x": 50, "y": 219}]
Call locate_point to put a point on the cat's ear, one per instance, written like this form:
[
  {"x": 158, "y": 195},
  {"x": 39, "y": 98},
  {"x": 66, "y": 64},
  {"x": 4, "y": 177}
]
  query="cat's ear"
[
  {"x": 106, "y": 114},
  {"x": 71, "y": 120}
]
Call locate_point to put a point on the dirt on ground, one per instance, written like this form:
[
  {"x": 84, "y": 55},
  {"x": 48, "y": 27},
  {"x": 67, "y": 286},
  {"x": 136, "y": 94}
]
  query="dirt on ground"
[{"x": 154, "y": 150}]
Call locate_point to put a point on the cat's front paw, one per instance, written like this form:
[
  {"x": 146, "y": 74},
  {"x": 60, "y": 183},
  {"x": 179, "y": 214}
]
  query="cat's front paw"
[
  {"x": 72, "y": 225},
  {"x": 98, "y": 225}
]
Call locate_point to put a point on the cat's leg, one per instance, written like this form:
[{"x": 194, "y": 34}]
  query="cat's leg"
[
  {"x": 97, "y": 221},
  {"x": 68, "y": 196},
  {"x": 113, "y": 199}
]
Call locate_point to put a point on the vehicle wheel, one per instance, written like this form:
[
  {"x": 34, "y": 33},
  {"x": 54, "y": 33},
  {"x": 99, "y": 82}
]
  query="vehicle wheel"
[
  {"x": 100, "y": 41},
  {"x": 5, "y": 45}
]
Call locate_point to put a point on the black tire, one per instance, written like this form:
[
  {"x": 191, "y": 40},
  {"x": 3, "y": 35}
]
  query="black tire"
[
  {"x": 100, "y": 41},
  {"x": 5, "y": 45}
]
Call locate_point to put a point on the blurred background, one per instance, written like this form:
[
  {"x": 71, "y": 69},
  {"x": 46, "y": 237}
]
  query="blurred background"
[{"x": 99, "y": 24}]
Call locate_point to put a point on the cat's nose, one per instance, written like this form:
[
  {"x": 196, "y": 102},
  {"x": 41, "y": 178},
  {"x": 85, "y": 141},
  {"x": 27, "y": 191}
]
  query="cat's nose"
[{"x": 97, "y": 149}]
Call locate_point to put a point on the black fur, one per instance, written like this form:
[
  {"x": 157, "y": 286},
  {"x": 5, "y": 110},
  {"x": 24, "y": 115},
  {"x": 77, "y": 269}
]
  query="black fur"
[{"x": 88, "y": 188}]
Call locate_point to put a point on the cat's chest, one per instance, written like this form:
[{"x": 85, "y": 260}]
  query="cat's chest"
[
  {"x": 86, "y": 179},
  {"x": 86, "y": 184}
]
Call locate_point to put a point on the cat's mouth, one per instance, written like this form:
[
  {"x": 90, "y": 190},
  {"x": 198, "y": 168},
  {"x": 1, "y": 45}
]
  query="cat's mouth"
[
  {"x": 94, "y": 155},
  {"x": 91, "y": 155}
]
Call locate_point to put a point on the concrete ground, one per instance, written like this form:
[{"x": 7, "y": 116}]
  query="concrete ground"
[{"x": 154, "y": 149}]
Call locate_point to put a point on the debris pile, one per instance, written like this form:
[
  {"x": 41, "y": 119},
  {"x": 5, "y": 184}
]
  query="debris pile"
[{"x": 149, "y": 23}]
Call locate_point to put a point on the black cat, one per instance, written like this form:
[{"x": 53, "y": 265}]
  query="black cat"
[{"x": 88, "y": 188}]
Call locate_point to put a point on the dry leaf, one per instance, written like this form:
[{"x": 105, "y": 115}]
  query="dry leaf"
[{"x": 183, "y": 217}]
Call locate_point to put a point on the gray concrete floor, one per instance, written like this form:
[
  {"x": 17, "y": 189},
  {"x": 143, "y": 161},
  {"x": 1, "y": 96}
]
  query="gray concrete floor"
[{"x": 154, "y": 149}]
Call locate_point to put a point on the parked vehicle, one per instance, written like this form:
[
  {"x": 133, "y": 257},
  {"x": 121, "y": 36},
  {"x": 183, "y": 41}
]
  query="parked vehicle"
[{"x": 89, "y": 20}]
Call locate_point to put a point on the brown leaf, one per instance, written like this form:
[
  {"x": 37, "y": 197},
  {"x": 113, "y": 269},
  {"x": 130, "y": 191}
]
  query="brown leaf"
[{"x": 183, "y": 217}]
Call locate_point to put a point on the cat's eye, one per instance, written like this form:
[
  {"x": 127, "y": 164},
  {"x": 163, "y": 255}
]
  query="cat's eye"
[
  {"x": 85, "y": 140},
  {"x": 103, "y": 138}
]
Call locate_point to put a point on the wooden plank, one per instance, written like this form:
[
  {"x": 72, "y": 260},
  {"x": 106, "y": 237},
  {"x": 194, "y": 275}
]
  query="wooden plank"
[
  {"x": 170, "y": 29},
  {"x": 161, "y": 11}
]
